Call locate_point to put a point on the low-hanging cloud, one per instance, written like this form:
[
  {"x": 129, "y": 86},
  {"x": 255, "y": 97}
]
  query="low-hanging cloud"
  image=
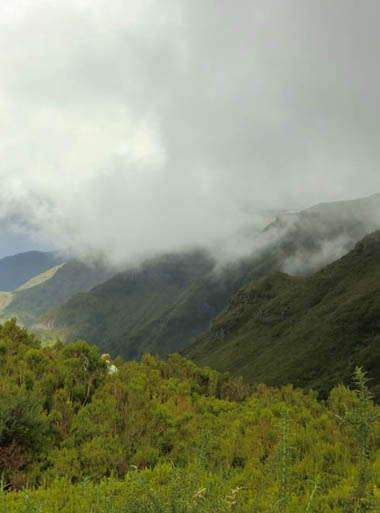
[{"x": 131, "y": 128}]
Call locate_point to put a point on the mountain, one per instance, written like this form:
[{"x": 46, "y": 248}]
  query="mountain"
[
  {"x": 307, "y": 240},
  {"x": 158, "y": 308},
  {"x": 17, "y": 269},
  {"x": 308, "y": 331},
  {"x": 150, "y": 310},
  {"x": 123, "y": 314},
  {"x": 50, "y": 289},
  {"x": 136, "y": 312}
]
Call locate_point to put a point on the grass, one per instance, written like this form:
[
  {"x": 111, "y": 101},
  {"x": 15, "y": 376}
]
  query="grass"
[
  {"x": 40, "y": 278},
  {"x": 5, "y": 299}
]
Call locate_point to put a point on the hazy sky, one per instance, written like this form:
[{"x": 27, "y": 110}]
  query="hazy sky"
[{"x": 140, "y": 126}]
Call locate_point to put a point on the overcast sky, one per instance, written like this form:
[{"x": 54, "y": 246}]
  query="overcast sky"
[{"x": 137, "y": 126}]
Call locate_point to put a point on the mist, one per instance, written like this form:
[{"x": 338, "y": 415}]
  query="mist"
[{"x": 134, "y": 128}]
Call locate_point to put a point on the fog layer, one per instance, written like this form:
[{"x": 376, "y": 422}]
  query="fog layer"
[{"x": 135, "y": 127}]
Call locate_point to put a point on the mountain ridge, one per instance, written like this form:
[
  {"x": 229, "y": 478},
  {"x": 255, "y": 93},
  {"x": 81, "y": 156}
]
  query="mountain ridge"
[
  {"x": 15, "y": 270},
  {"x": 50, "y": 289},
  {"x": 310, "y": 331},
  {"x": 106, "y": 316}
]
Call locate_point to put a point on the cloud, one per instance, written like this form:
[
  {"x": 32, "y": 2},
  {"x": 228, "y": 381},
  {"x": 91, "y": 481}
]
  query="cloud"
[
  {"x": 137, "y": 127},
  {"x": 307, "y": 262}
]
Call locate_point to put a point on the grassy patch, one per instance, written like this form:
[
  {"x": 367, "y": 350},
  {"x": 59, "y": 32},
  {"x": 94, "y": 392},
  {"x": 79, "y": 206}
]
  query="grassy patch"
[{"x": 40, "y": 278}]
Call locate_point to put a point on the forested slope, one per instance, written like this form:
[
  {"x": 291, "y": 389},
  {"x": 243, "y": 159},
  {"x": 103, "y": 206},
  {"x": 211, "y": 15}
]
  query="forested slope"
[{"x": 309, "y": 331}]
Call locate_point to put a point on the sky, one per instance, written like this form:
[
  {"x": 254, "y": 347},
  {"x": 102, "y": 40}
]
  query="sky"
[
  {"x": 134, "y": 127},
  {"x": 12, "y": 243}
]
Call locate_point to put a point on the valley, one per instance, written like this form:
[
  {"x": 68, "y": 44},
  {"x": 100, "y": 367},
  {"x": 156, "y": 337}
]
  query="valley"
[
  {"x": 189, "y": 256},
  {"x": 165, "y": 305}
]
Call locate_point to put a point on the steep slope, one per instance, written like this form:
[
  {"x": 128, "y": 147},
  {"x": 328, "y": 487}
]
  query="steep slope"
[
  {"x": 40, "y": 278},
  {"x": 122, "y": 315},
  {"x": 309, "y": 331},
  {"x": 121, "y": 322},
  {"x": 50, "y": 289},
  {"x": 300, "y": 243},
  {"x": 309, "y": 239},
  {"x": 5, "y": 299},
  {"x": 16, "y": 270}
]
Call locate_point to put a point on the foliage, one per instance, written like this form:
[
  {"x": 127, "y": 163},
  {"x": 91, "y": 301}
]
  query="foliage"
[{"x": 168, "y": 436}]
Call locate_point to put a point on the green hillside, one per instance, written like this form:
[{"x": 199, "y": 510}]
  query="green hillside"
[
  {"x": 50, "y": 289},
  {"x": 310, "y": 331},
  {"x": 136, "y": 312},
  {"x": 123, "y": 314}
]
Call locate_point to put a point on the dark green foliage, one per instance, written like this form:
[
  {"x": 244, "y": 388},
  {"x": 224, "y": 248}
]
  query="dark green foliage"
[
  {"x": 309, "y": 331},
  {"x": 19, "y": 420}
]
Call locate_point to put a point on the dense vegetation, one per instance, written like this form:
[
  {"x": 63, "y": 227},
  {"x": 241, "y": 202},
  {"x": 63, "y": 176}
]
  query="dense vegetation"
[
  {"x": 172, "y": 437},
  {"x": 309, "y": 331}
]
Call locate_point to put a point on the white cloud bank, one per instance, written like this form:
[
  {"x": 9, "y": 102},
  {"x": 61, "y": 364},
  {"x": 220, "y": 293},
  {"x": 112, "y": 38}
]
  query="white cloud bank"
[{"x": 131, "y": 127}]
